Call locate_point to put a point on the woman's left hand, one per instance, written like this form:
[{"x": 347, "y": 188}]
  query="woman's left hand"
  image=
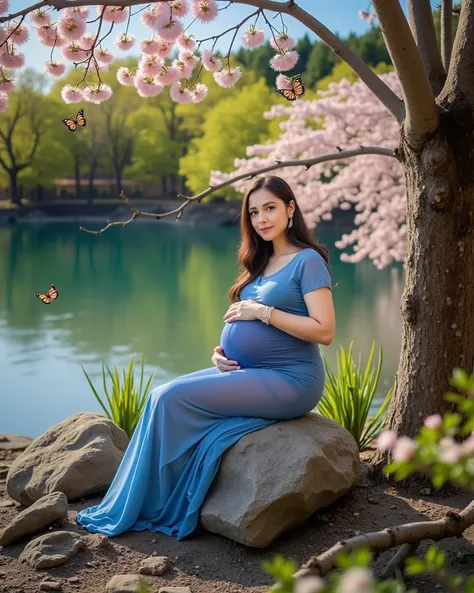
[{"x": 247, "y": 310}]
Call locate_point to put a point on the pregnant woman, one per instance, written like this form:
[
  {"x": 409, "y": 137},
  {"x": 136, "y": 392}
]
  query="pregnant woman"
[{"x": 267, "y": 368}]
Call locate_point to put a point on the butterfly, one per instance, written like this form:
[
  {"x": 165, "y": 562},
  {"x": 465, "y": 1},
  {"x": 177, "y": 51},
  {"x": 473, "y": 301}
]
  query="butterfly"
[
  {"x": 73, "y": 124},
  {"x": 52, "y": 295},
  {"x": 296, "y": 90}
]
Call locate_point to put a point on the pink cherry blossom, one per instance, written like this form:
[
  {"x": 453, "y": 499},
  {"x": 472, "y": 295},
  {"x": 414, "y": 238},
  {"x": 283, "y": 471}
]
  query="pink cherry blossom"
[
  {"x": 79, "y": 12},
  {"x": 55, "y": 68},
  {"x": 168, "y": 75},
  {"x": 227, "y": 78},
  {"x": 86, "y": 42},
  {"x": 253, "y": 37},
  {"x": 200, "y": 93},
  {"x": 282, "y": 42},
  {"x": 180, "y": 8},
  {"x": 71, "y": 28},
  {"x": 357, "y": 579},
  {"x": 97, "y": 94},
  {"x": 125, "y": 76},
  {"x": 124, "y": 42},
  {"x": 19, "y": 34},
  {"x": 3, "y": 99},
  {"x": 71, "y": 94},
  {"x": 4, "y": 7},
  {"x": 149, "y": 65},
  {"x": 433, "y": 421},
  {"x": 147, "y": 86},
  {"x": 171, "y": 30},
  {"x": 346, "y": 116},
  {"x": 309, "y": 584},
  {"x": 40, "y": 17},
  {"x": 12, "y": 58},
  {"x": 179, "y": 94},
  {"x": 150, "y": 17},
  {"x": 188, "y": 58},
  {"x": 103, "y": 56},
  {"x": 185, "y": 70},
  {"x": 48, "y": 35},
  {"x": 387, "y": 440},
  {"x": 284, "y": 61},
  {"x": 404, "y": 449},
  {"x": 7, "y": 83},
  {"x": 73, "y": 52},
  {"x": 204, "y": 10},
  {"x": 283, "y": 82},
  {"x": 186, "y": 42},
  {"x": 116, "y": 14},
  {"x": 210, "y": 61},
  {"x": 468, "y": 446},
  {"x": 164, "y": 48},
  {"x": 150, "y": 46},
  {"x": 3, "y": 35}
]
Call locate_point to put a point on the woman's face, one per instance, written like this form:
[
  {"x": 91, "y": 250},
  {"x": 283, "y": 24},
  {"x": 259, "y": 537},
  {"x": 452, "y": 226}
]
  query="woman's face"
[{"x": 268, "y": 214}]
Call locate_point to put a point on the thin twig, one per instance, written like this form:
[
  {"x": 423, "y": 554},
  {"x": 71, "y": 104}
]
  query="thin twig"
[{"x": 307, "y": 163}]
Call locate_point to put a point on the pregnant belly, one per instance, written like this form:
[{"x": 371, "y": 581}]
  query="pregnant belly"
[{"x": 254, "y": 344}]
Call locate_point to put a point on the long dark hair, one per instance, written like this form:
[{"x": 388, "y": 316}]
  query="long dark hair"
[{"x": 254, "y": 253}]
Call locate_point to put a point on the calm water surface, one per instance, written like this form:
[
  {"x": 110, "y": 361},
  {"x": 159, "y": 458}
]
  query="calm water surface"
[{"x": 160, "y": 289}]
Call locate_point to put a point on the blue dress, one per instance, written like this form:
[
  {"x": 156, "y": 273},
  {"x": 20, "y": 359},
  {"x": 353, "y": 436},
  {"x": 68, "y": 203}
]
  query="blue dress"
[{"x": 188, "y": 423}]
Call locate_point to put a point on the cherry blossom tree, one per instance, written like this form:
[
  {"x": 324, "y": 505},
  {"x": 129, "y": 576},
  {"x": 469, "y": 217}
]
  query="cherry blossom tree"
[
  {"x": 433, "y": 109},
  {"x": 347, "y": 116}
]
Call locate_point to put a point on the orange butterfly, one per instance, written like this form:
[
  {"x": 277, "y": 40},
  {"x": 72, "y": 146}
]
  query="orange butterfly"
[
  {"x": 296, "y": 90},
  {"x": 73, "y": 124},
  {"x": 52, "y": 295}
]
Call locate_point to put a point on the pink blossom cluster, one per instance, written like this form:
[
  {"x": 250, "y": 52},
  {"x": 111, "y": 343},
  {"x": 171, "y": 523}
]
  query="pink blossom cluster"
[
  {"x": 65, "y": 32},
  {"x": 449, "y": 451},
  {"x": 344, "y": 117}
]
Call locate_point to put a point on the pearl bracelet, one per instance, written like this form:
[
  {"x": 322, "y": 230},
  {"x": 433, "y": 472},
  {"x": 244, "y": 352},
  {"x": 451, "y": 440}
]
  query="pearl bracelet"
[{"x": 266, "y": 314}]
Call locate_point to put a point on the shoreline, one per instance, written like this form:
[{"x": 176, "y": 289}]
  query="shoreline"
[{"x": 212, "y": 214}]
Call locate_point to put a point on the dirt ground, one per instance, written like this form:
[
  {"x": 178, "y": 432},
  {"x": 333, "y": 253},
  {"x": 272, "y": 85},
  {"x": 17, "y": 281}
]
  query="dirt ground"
[{"x": 208, "y": 563}]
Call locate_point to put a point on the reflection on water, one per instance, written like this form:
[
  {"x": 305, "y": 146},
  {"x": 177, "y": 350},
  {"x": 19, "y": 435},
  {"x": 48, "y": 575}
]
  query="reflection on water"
[{"x": 155, "y": 288}]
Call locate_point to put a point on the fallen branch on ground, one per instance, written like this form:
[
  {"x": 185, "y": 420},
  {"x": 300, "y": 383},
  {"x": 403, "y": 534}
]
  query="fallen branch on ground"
[
  {"x": 453, "y": 524},
  {"x": 307, "y": 163}
]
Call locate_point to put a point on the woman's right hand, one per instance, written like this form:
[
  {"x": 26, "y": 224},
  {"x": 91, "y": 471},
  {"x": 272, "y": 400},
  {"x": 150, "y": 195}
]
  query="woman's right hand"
[{"x": 222, "y": 363}]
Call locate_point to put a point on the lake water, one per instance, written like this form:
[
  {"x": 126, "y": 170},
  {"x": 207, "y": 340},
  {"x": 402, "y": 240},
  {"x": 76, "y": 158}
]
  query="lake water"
[{"x": 157, "y": 288}]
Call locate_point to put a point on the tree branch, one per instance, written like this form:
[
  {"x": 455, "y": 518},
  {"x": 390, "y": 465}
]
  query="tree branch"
[
  {"x": 307, "y": 163},
  {"x": 461, "y": 69},
  {"x": 453, "y": 524},
  {"x": 421, "y": 115},
  {"x": 382, "y": 91},
  {"x": 446, "y": 32},
  {"x": 421, "y": 23}
]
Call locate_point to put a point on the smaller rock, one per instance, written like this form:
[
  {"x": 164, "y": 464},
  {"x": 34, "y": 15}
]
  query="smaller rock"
[
  {"x": 46, "y": 510},
  {"x": 155, "y": 565},
  {"x": 175, "y": 590},
  {"x": 10, "y": 442},
  {"x": 96, "y": 541},
  {"x": 6, "y": 503},
  {"x": 425, "y": 491},
  {"x": 124, "y": 583},
  {"x": 50, "y": 586},
  {"x": 51, "y": 549},
  {"x": 74, "y": 579}
]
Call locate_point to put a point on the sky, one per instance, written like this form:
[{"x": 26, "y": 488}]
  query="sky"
[{"x": 341, "y": 16}]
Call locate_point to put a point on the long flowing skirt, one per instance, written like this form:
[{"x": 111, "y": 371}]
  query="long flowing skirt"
[{"x": 175, "y": 451}]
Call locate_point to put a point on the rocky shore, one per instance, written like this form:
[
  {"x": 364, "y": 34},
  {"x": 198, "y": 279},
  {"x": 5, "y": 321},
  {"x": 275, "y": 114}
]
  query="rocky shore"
[{"x": 45, "y": 550}]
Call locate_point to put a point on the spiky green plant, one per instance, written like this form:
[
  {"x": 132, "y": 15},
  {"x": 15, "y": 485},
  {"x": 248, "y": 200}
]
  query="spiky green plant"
[
  {"x": 125, "y": 402},
  {"x": 349, "y": 394}
]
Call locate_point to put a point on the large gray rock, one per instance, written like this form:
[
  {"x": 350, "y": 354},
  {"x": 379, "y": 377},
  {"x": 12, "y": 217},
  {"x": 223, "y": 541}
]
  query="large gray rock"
[
  {"x": 51, "y": 549},
  {"x": 46, "y": 510},
  {"x": 275, "y": 478},
  {"x": 78, "y": 456}
]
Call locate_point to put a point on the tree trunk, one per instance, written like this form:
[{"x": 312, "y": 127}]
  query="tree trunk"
[
  {"x": 15, "y": 197},
  {"x": 118, "y": 179},
  {"x": 90, "y": 187},
  {"x": 438, "y": 301}
]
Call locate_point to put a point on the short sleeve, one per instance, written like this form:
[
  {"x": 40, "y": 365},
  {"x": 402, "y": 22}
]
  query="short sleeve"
[{"x": 314, "y": 273}]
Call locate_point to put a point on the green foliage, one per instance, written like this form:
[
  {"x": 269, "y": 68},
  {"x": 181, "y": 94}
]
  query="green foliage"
[
  {"x": 124, "y": 404},
  {"x": 438, "y": 447},
  {"x": 231, "y": 126},
  {"x": 349, "y": 394}
]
